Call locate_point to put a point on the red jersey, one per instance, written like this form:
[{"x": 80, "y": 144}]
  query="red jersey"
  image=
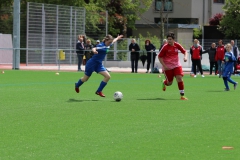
[
  {"x": 169, "y": 55},
  {"x": 220, "y": 53},
  {"x": 196, "y": 52}
]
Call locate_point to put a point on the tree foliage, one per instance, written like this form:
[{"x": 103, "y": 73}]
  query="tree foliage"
[
  {"x": 122, "y": 13},
  {"x": 230, "y": 22},
  {"x": 197, "y": 33}
]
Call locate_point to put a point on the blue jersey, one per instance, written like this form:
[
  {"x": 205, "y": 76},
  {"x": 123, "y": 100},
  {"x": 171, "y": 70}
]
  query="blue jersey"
[
  {"x": 95, "y": 63},
  {"x": 229, "y": 59},
  {"x": 102, "y": 50}
]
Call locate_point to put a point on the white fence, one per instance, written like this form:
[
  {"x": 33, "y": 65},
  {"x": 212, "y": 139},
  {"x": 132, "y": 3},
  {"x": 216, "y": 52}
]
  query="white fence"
[
  {"x": 118, "y": 55},
  {"x": 52, "y": 27},
  {"x": 6, "y": 56}
]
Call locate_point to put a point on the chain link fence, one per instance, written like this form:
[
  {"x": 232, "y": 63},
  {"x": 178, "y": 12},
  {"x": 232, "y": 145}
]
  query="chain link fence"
[{"x": 52, "y": 27}]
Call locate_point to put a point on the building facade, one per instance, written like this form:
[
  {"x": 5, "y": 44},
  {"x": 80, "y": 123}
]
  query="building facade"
[{"x": 180, "y": 16}]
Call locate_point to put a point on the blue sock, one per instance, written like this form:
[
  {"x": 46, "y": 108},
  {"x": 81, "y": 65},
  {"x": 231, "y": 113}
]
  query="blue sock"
[
  {"x": 231, "y": 81},
  {"x": 226, "y": 82},
  {"x": 79, "y": 83},
  {"x": 102, "y": 85}
]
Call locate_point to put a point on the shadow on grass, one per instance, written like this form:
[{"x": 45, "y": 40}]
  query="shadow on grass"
[
  {"x": 215, "y": 91},
  {"x": 77, "y": 100},
  {"x": 150, "y": 99}
]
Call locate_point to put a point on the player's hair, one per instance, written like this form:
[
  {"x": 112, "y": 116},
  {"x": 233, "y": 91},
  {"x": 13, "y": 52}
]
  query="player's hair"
[
  {"x": 195, "y": 40},
  {"x": 88, "y": 40},
  {"x": 83, "y": 37},
  {"x": 148, "y": 41},
  {"x": 229, "y": 45},
  {"x": 171, "y": 34},
  {"x": 107, "y": 38},
  {"x": 220, "y": 40}
]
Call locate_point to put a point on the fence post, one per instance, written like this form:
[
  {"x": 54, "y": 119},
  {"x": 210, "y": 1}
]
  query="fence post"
[
  {"x": 27, "y": 33},
  {"x": 115, "y": 51},
  {"x": 152, "y": 62},
  {"x": 43, "y": 34},
  {"x": 70, "y": 42},
  {"x": 57, "y": 27},
  {"x": 128, "y": 53}
]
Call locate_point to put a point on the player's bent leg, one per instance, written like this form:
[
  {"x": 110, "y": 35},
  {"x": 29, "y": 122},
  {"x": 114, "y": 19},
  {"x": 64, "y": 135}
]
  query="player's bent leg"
[
  {"x": 80, "y": 82},
  {"x": 106, "y": 76},
  {"x": 169, "y": 79}
]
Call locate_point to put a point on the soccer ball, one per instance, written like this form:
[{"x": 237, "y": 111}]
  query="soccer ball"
[{"x": 118, "y": 96}]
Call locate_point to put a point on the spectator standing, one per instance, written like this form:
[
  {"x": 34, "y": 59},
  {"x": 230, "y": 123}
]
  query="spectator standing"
[
  {"x": 88, "y": 50},
  {"x": 235, "y": 52},
  {"x": 196, "y": 54},
  {"x": 212, "y": 53},
  {"x": 220, "y": 52},
  {"x": 80, "y": 51},
  {"x": 134, "y": 48},
  {"x": 164, "y": 42},
  {"x": 150, "y": 48},
  {"x": 97, "y": 42}
]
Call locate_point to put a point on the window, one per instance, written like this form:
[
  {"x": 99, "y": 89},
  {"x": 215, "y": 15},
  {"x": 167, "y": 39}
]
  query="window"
[
  {"x": 167, "y": 5},
  {"x": 218, "y": 1}
]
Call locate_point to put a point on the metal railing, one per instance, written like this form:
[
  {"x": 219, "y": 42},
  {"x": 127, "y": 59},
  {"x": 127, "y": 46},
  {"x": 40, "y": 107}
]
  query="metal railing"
[{"x": 71, "y": 57}]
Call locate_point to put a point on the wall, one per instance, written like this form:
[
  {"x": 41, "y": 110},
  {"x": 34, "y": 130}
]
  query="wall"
[
  {"x": 180, "y": 10},
  {"x": 185, "y": 9},
  {"x": 185, "y": 36},
  {"x": 6, "y": 55}
]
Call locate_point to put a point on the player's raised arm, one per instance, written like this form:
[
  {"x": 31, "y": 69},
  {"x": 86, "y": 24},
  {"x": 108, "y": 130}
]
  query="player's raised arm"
[{"x": 118, "y": 37}]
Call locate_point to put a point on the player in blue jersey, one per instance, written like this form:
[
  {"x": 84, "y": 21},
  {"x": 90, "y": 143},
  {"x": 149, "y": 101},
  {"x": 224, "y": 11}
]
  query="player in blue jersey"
[
  {"x": 95, "y": 64},
  {"x": 228, "y": 64}
]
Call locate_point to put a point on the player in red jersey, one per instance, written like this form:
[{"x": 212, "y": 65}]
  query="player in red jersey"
[{"x": 171, "y": 65}]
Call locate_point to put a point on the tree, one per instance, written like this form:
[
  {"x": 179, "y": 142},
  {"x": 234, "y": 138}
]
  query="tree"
[
  {"x": 197, "y": 33},
  {"x": 122, "y": 13},
  {"x": 230, "y": 22}
]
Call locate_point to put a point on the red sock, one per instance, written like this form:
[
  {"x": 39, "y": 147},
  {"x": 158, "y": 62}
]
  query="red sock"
[
  {"x": 165, "y": 82},
  {"x": 180, "y": 86}
]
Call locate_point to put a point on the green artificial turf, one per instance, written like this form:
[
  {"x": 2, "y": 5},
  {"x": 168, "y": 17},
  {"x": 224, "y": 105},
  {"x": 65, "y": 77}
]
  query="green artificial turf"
[{"x": 41, "y": 118}]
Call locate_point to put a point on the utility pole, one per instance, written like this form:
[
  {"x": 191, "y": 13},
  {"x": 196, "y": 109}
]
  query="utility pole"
[
  {"x": 16, "y": 34},
  {"x": 162, "y": 22}
]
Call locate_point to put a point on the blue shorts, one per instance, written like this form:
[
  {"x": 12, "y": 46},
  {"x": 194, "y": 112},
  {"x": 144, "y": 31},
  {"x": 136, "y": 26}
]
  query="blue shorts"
[
  {"x": 226, "y": 73},
  {"x": 227, "y": 70},
  {"x": 91, "y": 67}
]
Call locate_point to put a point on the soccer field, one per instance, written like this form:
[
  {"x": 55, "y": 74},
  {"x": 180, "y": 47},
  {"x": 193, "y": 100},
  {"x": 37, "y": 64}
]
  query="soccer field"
[{"x": 41, "y": 118}]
